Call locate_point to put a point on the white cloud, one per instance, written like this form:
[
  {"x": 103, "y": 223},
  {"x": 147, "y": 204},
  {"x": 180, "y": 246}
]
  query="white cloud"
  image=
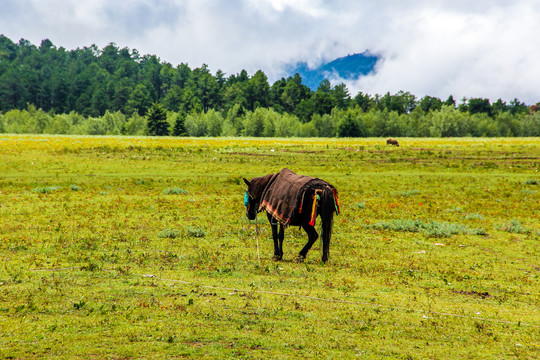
[
  {"x": 465, "y": 54},
  {"x": 309, "y": 7},
  {"x": 485, "y": 48}
]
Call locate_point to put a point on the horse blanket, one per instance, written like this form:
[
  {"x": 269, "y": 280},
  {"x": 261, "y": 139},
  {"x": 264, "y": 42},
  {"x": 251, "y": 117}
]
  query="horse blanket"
[{"x": 283, "y": 194}]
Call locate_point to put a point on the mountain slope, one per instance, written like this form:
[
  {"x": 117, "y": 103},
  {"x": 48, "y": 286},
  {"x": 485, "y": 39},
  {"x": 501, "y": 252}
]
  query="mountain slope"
[{"x": 348, "y": 67}]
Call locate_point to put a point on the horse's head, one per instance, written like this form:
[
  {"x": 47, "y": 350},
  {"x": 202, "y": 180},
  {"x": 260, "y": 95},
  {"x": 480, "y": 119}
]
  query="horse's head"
[
  {"x": 251, "y": 204},
  {"x": 252, "y": 198}
]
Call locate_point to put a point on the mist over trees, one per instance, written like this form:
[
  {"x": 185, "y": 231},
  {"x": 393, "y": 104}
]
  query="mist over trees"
[{"x": 117, "y": 91}]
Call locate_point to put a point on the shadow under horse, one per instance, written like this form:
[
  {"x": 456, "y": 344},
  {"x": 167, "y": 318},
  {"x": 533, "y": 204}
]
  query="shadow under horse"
[{"x": 297, "y": 200}]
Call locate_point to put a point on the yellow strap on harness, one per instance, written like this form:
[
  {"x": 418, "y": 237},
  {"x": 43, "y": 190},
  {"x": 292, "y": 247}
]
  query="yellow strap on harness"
[{"x": 314, "y": 207}]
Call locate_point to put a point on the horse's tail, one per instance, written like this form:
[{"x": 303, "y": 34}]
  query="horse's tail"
[{"x": 328, "y": 205}]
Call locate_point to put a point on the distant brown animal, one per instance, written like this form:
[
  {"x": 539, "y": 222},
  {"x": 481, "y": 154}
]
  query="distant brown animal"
[{"x": 392, "y": 142}]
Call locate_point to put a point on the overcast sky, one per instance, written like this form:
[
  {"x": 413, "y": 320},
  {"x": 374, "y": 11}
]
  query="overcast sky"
[{"x": 480, "y": 48}]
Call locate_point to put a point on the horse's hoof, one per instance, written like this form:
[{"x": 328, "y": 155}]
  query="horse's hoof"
[
  {"x": 300, "y": 259},
  {"x": 276, "y": 258}
]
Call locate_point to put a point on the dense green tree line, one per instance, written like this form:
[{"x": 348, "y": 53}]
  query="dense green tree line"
[
  {"x": 47, "y": 89},
  {"x": 350, "y": 122}
]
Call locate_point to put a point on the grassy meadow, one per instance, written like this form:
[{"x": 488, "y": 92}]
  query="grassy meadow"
[{"x": 133, "y": 247}]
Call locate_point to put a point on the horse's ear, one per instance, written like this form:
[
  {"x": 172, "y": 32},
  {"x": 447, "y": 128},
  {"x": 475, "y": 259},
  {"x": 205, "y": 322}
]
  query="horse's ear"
[{"x": 247, "y": 181}]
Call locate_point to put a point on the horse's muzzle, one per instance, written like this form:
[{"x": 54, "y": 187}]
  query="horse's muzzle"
[{"x": 251, "y": 215}]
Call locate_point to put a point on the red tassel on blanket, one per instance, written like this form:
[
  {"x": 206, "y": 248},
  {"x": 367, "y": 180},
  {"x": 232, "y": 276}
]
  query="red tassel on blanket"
[
  {"x": 302, "y": 202},
  {"x": 337, "y": 202}
]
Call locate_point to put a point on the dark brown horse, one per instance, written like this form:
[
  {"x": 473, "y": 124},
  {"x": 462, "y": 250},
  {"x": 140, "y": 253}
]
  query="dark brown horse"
[
  {"x": 297, "y": 200},
  {"x": 392, "y": 142}
]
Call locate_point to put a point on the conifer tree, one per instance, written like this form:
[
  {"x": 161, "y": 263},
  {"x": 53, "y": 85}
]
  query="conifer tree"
[
  {"x": 157, "y": 124},
  {"x": 180, "y": 125}
]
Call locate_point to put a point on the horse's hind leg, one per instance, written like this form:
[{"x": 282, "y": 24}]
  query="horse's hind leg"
[
  {"x": 277, "y": 236},
  {"x": 312, "y": 237}
]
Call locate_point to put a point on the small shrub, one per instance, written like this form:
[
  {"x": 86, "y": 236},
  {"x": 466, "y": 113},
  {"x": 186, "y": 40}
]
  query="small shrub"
[
  {"x": 514, "y": 227},
  {"x": 46, "y": 189},
  {"x": 431, "y": 229},
  {"x": 75, "y": 188},
  {"x": 407, "y": 193},
  {"x": 361, "y": 205},
  {"x": 532, "y": 182},
  {"x": 169, "y": 233},
  {"x": 195, "y": 232},
  {"x": 40, "y": 190},
  {"x": 444, "y": 229},
  {"x": 174, "y": 191},
  {"x": 474, "y": 216}
]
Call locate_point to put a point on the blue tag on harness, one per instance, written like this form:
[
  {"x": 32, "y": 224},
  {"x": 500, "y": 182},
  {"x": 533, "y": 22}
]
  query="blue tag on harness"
[{"x": 246, "y": 199}]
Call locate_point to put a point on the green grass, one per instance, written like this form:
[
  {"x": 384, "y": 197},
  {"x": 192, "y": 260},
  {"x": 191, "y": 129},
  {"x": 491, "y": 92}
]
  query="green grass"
[{"x": 434, "y": 255}]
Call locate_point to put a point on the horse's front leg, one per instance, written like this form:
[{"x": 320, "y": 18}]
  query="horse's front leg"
[
  {"x": 312, "y": 237},
  {"x": 281, "y": 236},
  {"x": 277, "y": 236}
]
